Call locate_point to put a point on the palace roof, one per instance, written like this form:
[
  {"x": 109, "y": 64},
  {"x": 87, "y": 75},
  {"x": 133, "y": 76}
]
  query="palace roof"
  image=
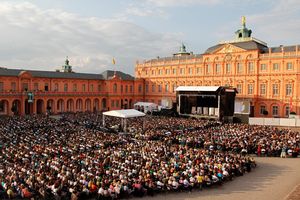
[
  {"x": 247, "y": 45},
  {"x": 68, "y": 75}
]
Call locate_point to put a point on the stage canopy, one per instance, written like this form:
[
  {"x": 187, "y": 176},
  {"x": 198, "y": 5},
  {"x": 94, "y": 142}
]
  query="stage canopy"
[
  {"x": 197, "y": 88},
  {"x": 127, "y": 113}
]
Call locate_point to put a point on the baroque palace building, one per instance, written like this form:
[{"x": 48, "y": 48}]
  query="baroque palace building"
[
  {"x": 36, "y": 92},
  {"x": 267, "y": 77}
]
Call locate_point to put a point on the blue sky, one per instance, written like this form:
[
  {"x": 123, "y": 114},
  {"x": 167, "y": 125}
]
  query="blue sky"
[{"x": 39, "y": 34}]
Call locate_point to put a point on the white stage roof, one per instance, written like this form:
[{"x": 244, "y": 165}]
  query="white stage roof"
[
  {"x": 197, "y": 88},
  {"x": 128, "y": 113}
]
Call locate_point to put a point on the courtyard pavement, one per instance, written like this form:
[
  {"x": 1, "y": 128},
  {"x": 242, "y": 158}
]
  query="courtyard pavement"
[{"x": 272, "y": 179}]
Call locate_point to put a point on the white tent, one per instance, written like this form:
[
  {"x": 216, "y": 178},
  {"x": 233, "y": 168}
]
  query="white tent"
[
  {"x": 123, "y": 114},
  {"x": 147, "y": 106},
  {"x": 127, "y": 113}
]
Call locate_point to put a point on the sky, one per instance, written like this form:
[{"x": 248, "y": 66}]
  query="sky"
[{"x": 39, "y": 34}]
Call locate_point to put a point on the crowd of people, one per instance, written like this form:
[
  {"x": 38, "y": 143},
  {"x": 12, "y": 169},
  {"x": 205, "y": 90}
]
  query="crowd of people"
[{"x": 76, "y": 158}]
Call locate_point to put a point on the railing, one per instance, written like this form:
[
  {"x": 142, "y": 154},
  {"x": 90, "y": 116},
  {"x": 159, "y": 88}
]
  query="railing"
[
  {"x": 11, "y": 93},
  {"x": 279, "y": 55},
  {"x": 52, "y": 93},
  {"x": 56, "y": 93}
]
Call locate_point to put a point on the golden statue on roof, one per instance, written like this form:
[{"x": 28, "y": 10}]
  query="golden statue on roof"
[{"x": 243, "y": 20}]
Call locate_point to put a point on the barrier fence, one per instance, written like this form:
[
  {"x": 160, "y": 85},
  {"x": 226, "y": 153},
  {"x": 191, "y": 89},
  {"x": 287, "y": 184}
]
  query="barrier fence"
[{"x": 292, "y": 122}]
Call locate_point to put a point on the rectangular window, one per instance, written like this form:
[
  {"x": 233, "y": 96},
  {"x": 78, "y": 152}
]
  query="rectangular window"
[
  {"x": 167, "y": 88},
  {"x": 167, "y": 71},
  {"x": 262, "y": 89},
  {"x": 288, "y": 89},
  {"x": 181, "y": 71},
  {"x": 75, "y": 87},
  {"x": 198, "y": 70},
  {"x": 275, "y": 110},
  {"x": 287, "y": 111},
  {"x": 190, "y": 71},
  {"x": 228, "y": 68},
  {"x": 153, "y": 72},
  {"x": 239, "y": 68},
  {"x": 99, "y": 88},
  {"x": 239, "y": 88},
  {"x": 153, "y": 88},
  {"x": 66, "y": 87},
  {"x": 250, "y": 89},
  {"x": 159, "y": 88},
  {"x": 146, "y": 88},
  {"x": 36, "y": 86},
  {"x": 112, "y": 103},
  {"x": 83, "y": 87},
  {"x": 263, "y": 67},
  {"x": 117, "y": 103},
  {"x": 1, "y": 86},
  {"x": 131, "y": 88},
  {"x": 275, "y": 66},
  {"x": 218, "y": 68},
  {"x": 13, "y": 86},
  {"x": 250, "y": 67},
  {"x": 289, "y": 66},
  {"x": 262, "y": 109},
  {"x": 159, "y": 72},
  {"x": 174, "y": 71},
  {"x": 140, "y": 88},
  {"x": 115, "y": 88},
  {"x": 126, "y": 89},
  {"x": 121, "y": 88},
  {"x": 91, "y": 88},
  {"x": 25, "y": 86},
  {"x": 56, "y": 87},
  {"x": 174, "y": 88},
  {"x": 46, "y": 87},
  {"x": 208, "y": 69},
  {"x": 275, "y": 90}
]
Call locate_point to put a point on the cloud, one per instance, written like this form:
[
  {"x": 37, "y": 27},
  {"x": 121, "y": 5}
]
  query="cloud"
[
  {"x": 41, "y": 39},
  {"x": 144, "y": 10},
  {"x": 276, "y": 25},
  {"x": 157, "y": 8},
  {"x": 173, "y": 3},
  {"x": 279, "y": 24}
]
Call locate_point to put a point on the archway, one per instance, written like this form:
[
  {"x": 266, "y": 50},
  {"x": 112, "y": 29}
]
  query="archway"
[
  {"x": 39, "y": 106},
  {"x": 104, "y": 104},
  {"x": 79, "y": 105},
  {"x": 50, "y": 106},
  {"x": 28, "y": 107},
  {"x": 4, "y": 110},
  {"x": 60, "y": 105},
  {"x": 87, "y": 105},
  {"x": 96, "y": 105},
  {"x": 130, "y": 103},
  {"x": 16, "y": 107},
  {"x": 70, "y": 105}
]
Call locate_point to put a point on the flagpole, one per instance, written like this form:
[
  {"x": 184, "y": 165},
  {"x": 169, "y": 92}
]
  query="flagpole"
[{"x": 114, "y": 63}]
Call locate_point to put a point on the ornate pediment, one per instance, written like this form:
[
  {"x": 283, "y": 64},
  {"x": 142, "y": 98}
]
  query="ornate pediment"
[
  {"x": 228, "y": 48},
  {"x": 25, "y": 74}
]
